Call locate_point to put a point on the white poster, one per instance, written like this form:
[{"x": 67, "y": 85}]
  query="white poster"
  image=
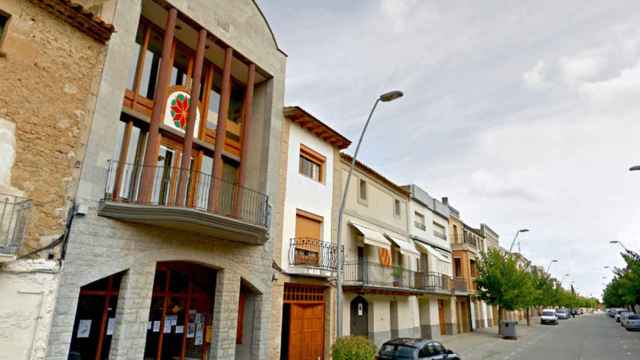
[
  {"x": 191, "y": 330},
  {"x": 156, "y": 326},
  {"x": 84, "y": 328},
  {"x": 179, "y": 329},
  {"x": 199, "y": 334},
  {"x": 111, "y": 324},
  {"x": 149, "y": 325}
]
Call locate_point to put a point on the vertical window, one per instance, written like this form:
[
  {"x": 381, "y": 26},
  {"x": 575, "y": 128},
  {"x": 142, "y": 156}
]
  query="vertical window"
[
  {"x": 455, "y": 235},
  {"x": 396, "y": 207},
  {"x": 439, "y": 231},
  {"x": 311, "y": 164},
  {"x": 4, "y": 21},
  {"x": 236, "y": 101},
  {"x": 362, "y": 193},
  {"x": 308, "y": 237},
  {"x": 457, "y": 268},
  {"x": 151, "y": 63},
  {"x": 419, "y": 221}
]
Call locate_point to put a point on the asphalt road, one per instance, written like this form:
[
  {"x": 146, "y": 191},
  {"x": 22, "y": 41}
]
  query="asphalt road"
[{"x": 588, "y": 337}]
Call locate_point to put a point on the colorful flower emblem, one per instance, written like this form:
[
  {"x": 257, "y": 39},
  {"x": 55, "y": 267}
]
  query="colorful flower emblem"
[{"x": 180, "y": 110}]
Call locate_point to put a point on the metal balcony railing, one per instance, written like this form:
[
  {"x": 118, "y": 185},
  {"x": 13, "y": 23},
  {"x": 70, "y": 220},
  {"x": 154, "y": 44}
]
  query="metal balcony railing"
[
  {"x": 460, "y": 284},
  {"x": 231, "y": 200},
  {"x": 440, "y": 235},
  {"x": 14, "y": 216},
  {"x": 375, "y": 274},
  {"x": 470, "y": 240},
  {"x": 311, "y": 252},
  {"x": 433, "y": 281}
]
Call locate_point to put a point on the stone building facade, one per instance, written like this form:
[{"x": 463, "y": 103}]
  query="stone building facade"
[{"x": 50, "y": 64}]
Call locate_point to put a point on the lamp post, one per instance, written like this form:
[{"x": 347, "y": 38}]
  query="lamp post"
[
  {"x": 515, "y": 237},
  {"x": 386, "y": 97},
  {"x": 549, "y": 267},
  {"x": 619, "y": 243}
]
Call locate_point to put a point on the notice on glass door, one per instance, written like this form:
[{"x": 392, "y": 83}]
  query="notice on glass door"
[{"x": 84, "y": 328}]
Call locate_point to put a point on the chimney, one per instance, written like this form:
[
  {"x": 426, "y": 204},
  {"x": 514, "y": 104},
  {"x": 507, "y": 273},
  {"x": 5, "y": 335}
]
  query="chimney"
[{"x": 445, "y": 200}]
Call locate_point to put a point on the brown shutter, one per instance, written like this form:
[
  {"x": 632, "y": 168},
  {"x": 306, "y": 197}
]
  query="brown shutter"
[{"x": 308, "y": 227}]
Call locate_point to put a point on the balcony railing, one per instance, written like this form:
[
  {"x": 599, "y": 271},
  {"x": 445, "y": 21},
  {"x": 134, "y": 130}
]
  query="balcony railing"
[
  {"x": 460, "y": 284},
  {"x": 470, "y": 240},
  {"x": 420, "y": 225},
  {"x": 231, "y": 200},
  {"x": 440, "y": 235},
  {"x": 314, "y": 253},
  {"x": 14, "y": 215},
  {"x": 375, "y": 274}
]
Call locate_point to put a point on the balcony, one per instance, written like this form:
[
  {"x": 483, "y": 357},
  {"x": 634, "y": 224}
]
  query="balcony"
[
  {"x": 312, "y": 257},
  {"x": 440, "y": 235},
  {"x": 470, "y": 240},
  {"x": 460, "y": 284},
  {"x": 375, "y": 276},
  {"x": 14, "y": 216},
  {"x": 229, "y": 212}
]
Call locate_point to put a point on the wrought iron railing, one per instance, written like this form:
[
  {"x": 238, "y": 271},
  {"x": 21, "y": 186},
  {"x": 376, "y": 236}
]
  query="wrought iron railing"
[
  {"x": 460, "y": 284},
  {"x": 376, "y": 274},
  {"x": 469, "y": 239},
  {"x": 223, "y": 198},
  {"x": 433, "y": 281},
  {"x": 14, "y": 216},
  {"x": 314, "y": 253}
]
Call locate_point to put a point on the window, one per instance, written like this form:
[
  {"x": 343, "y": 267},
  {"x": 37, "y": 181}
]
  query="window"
[
  {"x": 455, "y": 235},
  {"x": 419, "y": 221},
  {"x": 362, "y": 193},
  {"x": 311, "y": 164},
  {"x": 457, "y": 267},
  {"x": 397, "y": 208},
  {"x": 308, "y": 236},
  {"x": 4, "y": 22},
  {"x": 439, "y": 231}
]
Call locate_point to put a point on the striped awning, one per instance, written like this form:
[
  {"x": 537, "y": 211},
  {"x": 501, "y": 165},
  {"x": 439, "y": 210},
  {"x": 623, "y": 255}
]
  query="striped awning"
[
  {"x": 372, "y": 237},
  {"x": 406, "y": 247}
]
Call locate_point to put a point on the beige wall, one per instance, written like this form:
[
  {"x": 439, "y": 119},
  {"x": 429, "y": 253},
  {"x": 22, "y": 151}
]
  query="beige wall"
[{"x": 48, "y": 87}]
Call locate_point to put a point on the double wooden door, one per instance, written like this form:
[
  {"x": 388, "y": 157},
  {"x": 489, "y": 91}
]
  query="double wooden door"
[{"x": 306, "y": 334}]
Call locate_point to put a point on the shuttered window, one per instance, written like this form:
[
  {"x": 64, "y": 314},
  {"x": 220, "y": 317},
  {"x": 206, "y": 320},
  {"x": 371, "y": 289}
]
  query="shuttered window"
[
  {"x": 311, "y": 164},
  {"x": 308, "y": 237}
]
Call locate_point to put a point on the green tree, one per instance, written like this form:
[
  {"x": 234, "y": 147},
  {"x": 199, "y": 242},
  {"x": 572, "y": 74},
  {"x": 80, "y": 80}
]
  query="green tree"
[{"x": 501, "y": 282}]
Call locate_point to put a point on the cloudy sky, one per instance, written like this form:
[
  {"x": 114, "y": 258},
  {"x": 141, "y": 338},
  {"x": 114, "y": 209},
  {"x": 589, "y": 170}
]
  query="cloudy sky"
[{"x": 525, "y": 114}]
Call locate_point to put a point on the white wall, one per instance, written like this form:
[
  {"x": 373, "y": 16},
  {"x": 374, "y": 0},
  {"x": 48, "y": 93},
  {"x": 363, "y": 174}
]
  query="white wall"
[
  {"x": 435, "y": 264},
  {"x": 304, "y": 193},
  {"x": 28, "y": 291}
]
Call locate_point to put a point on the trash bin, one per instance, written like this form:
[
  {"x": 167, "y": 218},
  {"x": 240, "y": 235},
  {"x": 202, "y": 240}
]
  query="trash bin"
[{"x": 509, "y": 329}]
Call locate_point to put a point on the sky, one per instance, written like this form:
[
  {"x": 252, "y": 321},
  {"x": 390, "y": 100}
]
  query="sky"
[{"x": 525, "y": 114}]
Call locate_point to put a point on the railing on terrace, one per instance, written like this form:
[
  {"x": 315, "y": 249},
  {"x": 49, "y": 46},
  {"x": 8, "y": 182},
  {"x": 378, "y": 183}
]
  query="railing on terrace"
[
  {"x": 375, "y": 274},
  {"x": 440, "y": 235},
  {"x": 313, "y": 253},
  {"x": 468, "y": 239},
  {"x": 232, "y": 200},
  {"x": 14, "y": 215},
  {"x": 460, "y": 284}
]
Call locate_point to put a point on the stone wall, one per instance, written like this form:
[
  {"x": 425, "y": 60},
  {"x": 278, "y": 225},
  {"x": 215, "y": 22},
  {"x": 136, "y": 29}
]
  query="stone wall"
[{"x": 49, "y": 84}]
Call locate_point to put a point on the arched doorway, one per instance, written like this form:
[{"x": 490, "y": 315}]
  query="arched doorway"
[
  {"x": 180, "y": 318},
  {"x": 359, "y": 317},
  {"x": 95, "y": 319}
]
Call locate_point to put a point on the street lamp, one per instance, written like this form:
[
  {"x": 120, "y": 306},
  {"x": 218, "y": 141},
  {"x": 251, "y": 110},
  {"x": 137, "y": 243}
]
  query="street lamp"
[
  {"x": 549, "y": 267},
  {"x": 515, "y": 237},
  {"x": 619, "y": 243},
  {"x": 386, "y": 97}
]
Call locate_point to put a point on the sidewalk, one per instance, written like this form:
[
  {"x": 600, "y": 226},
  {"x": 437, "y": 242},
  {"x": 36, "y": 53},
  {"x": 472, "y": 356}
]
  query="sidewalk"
[{"x": 485, "y": 343}]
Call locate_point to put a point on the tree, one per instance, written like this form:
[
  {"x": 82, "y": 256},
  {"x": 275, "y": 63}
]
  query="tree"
[{"x": 501, "y": 282}]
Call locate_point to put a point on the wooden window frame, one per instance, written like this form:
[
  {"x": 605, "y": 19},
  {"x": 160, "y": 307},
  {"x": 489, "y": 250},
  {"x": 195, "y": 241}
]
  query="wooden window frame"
[
  {"x": 314, "y": 157},
  {"x": 3, "y": 34}
]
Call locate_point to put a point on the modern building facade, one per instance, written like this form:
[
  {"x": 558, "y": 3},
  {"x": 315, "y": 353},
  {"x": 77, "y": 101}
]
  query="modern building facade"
[
  {"x": 303, "y": 298},
  {"x": 428, "y": 224},
  {"x": 44, "y": 125},
  {"x": 167, "y": 249}
]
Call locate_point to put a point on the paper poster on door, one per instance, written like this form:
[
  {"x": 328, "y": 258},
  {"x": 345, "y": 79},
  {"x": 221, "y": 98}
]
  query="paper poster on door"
[
  {"x": 360, "y": 309},
  {"x": 84, "y": 328}
]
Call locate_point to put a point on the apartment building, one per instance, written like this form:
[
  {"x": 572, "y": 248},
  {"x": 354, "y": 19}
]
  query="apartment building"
[
  {"x": 428, "y": 224},
  {"x": 167, "y": 249},
  {"x": 46, "y": 112},
  {"x": 380, "y": 269},
  {"x": 303, "y": 298},
  {"x": 491, "y": 241}
]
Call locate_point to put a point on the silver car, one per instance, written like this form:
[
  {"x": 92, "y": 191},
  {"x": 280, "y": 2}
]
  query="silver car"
[{"x": 631, "y": 321}]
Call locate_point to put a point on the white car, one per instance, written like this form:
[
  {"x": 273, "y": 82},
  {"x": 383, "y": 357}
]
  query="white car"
[{"x": 549, "y": 316}]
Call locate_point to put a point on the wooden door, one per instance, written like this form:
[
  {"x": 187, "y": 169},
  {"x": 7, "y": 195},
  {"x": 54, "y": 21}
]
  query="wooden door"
[
  {"x": 306, "y": 333},
  {"x": 359, "y": 317},
  {"x": 442, "y": 317}
]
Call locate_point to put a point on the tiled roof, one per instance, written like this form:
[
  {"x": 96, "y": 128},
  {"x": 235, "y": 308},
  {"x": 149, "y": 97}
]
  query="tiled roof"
[
  {"x": 303, "y": 118},
  {"x": 79, "y": 17}
]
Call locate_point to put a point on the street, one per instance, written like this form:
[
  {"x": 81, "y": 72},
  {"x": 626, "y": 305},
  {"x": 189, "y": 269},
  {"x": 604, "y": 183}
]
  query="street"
[{"x": 587, "y": 337}]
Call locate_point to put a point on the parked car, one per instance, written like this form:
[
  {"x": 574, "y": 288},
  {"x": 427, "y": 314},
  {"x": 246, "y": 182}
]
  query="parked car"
[
  {"x": 631, "y": 322},
  {"x": 409, "y": 349},
  {"x": 549, "y": 316},
  {"x": 562, "y": 314},
  {"x": 621, "y": 315}
]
